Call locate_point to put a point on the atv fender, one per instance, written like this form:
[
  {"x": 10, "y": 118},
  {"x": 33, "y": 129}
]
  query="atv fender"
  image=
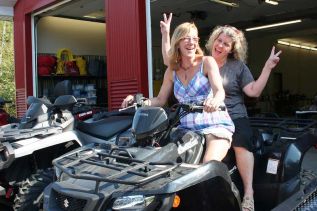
[
  {"x": 30, "y": 146},
  {"x": 295, "y": 153}
]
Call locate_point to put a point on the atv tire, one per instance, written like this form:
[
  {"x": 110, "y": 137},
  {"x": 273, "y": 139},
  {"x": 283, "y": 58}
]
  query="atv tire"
[{"x": 30, "y": 190}]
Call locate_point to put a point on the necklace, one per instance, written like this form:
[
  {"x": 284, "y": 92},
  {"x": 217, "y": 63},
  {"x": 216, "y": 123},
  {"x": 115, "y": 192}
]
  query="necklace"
[{"x": 185, "y": 70}]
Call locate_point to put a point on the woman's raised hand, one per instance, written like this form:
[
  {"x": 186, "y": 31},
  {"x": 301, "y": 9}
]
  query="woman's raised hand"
[
  {"x": 166, "y": 23},
  {"x": 273, "y": 59},
  {"x": 127, "y": 101}
]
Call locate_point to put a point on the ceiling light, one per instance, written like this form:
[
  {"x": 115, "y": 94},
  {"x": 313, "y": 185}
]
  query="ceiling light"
[
  {"x": 100, "y": 14},
  {"x": 229, "y": 4},
  {"x": 296, "y": 45},
  {"x": 271, "y": 2},
  {"x": 273, "y": 25},
  {"x": 89, "y": 16}
]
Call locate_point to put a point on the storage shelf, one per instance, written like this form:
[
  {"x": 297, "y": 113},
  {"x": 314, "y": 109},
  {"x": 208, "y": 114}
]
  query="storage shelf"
[{"x": 47, "y": 83}]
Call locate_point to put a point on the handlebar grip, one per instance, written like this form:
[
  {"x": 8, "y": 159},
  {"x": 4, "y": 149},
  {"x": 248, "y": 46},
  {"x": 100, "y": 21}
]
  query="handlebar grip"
[
  {"x": 200, "y": 108},
  {"x": 197, "y": 108}
]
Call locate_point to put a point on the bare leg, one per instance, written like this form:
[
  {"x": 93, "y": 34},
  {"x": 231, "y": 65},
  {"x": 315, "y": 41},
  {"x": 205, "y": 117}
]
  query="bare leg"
[
  {"x": 216, "y": 148},
  {"x": 245, "y": 164}
]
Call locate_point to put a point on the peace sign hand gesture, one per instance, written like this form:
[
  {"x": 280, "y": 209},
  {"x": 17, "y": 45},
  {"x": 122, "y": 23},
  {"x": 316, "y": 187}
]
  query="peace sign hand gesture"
[
  {"x": 273, "y": 59},
  {"x": 166, "y": 23}
]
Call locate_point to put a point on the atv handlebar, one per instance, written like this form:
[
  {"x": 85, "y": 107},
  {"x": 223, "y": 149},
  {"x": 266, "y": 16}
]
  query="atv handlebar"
[
  {"x": 188, "y": 107},
  {"x": 198, "y": 107}
]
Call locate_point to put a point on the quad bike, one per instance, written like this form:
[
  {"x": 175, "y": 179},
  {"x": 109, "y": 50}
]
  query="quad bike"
[
  {"x": 27, "y": 147},
  {"x": 44, "y": 133},
  {"x": 147, "y": 168},
  {"x": 5, "y": 118},
  {"x": 281, "y": 145},
  {"x": 40, "y": 110},
  {"x": 150, "y": 167}
]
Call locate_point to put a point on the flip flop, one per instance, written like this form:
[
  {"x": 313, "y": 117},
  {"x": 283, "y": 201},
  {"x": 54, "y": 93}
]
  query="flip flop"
[{"x": 247, "y": 204}]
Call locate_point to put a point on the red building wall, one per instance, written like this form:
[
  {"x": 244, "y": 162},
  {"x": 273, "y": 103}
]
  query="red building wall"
[
  {"x": 23, "y": 49},
  {"x": 126, "y": 49}
]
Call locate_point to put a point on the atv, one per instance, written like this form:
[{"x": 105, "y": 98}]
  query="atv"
[
  {"x": 155, "y": 166},
  {"x": 280, "y": 146},
  {"x": 45, "y": 132},
  {"x": 150, "y": 167}
]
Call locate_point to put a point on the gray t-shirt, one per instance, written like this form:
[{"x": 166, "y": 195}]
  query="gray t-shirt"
[{"x": 235, "y": 76}]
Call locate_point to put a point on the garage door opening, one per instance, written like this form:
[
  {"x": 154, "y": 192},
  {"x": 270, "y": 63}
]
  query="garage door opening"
[{"x": 70, "y": 44}]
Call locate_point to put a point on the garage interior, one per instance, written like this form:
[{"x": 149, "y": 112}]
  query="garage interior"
[{"x": 291, "y": 85}]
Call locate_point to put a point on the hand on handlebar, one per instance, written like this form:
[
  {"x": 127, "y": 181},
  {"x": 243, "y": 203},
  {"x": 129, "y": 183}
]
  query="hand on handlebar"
[
  {"x": 127, "y": 101},
  {"x": 211, "y": 105},
  {"x": 200, "y": 107}
]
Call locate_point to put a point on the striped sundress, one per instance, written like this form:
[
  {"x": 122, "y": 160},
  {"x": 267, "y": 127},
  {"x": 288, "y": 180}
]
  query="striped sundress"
[{"x": 197, "y": 90}]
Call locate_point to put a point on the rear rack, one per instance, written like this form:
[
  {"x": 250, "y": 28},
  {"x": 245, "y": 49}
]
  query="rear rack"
[
  {"x": 113, "y": 167},
  {"x": 289, "y": 125}
]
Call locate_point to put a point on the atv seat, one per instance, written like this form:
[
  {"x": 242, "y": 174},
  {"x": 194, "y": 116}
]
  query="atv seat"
[{"x": 106, "y": 128}]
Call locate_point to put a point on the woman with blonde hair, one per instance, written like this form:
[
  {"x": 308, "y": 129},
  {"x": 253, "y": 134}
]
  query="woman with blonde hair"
[
  {"x": 228, "y": 46},
  {"x": 195, "y": 78}
]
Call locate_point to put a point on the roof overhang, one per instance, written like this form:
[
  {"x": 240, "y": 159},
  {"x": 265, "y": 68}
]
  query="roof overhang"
[{"x": 6, "y": 9}]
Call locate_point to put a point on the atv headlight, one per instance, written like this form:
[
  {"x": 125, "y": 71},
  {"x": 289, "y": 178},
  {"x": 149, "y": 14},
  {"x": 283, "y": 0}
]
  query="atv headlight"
[
  {"x": 132, "y": 202},
  {"x": 58, "y": 172}
]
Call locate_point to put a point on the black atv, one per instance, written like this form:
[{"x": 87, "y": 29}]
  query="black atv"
[
  {"x": 153, "y": 166},
  {"x": 280, "y": 146}
]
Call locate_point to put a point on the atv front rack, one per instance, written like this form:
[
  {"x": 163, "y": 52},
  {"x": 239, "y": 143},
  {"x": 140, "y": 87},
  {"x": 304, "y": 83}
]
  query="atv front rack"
[{"x": 115, "y": 165}]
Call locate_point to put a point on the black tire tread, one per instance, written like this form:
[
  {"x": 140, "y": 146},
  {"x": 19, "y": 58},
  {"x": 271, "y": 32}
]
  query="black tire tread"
[{"x": 31, "y": 188}]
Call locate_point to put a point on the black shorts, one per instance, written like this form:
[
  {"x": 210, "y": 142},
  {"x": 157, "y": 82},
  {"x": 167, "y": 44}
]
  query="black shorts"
[{"x": 242, "y": 136}]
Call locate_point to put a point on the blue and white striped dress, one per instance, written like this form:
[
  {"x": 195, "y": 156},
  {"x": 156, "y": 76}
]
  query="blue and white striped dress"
[{"x": 197, "y": 90}]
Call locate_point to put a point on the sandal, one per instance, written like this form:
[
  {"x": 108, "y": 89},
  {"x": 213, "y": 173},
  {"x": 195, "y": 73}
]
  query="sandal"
[{"x": 247, "y": 204}]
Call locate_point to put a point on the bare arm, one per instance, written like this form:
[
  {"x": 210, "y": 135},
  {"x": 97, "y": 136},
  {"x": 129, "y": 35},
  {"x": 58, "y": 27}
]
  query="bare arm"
[
  {"x": 163, "y": 95},
  {"x": 212, "y": 70},
  {"x": 165, "y": 31},
  {"x": 255, "y": 88}
]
